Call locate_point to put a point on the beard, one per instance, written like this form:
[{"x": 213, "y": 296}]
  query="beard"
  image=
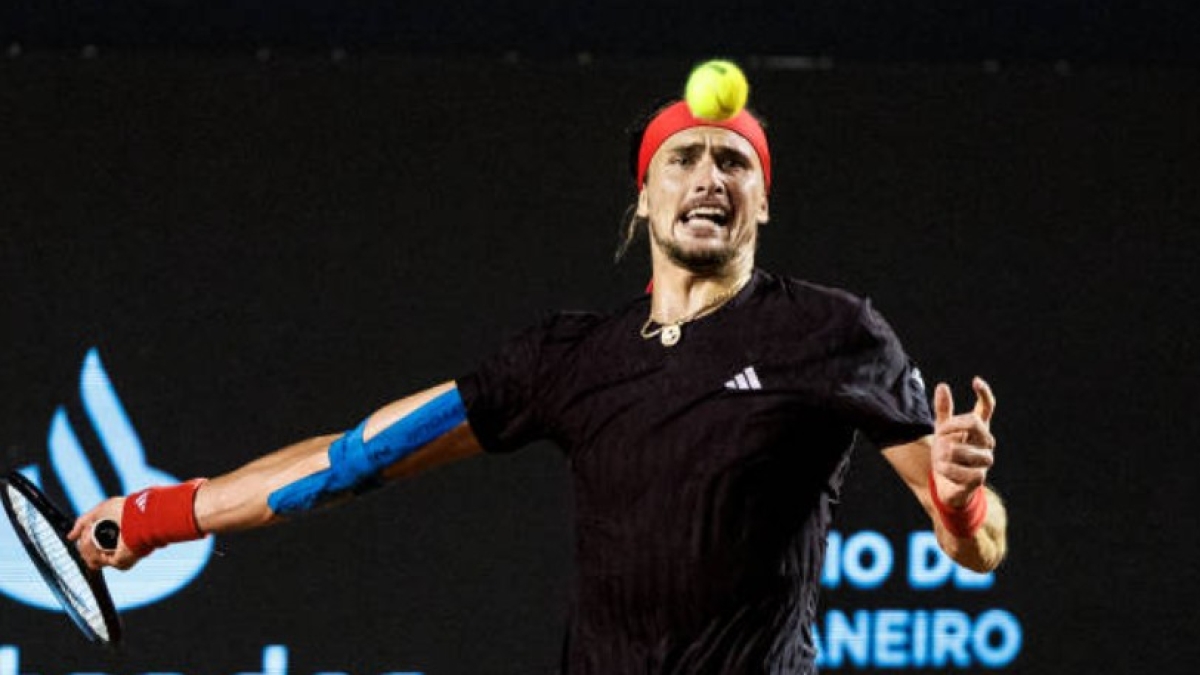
[{"x": 702, "y": 261}]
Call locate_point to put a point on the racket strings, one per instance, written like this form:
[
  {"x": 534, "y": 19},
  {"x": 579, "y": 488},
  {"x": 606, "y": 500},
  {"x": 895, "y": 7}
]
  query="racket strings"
[{"x": 51, "y": 548}]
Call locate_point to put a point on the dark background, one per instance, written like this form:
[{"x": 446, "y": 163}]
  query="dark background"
[
  {"x": 270, "y": 228},
  {"x": 1111, "y": 31}
]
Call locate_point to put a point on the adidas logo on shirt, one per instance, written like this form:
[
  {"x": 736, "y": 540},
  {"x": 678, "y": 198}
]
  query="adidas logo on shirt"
[{"x": 747, "y": 379}]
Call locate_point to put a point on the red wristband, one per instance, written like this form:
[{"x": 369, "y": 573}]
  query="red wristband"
[
  {"x": 157, "y": 516},
  {"x": 965, "y": 521}
]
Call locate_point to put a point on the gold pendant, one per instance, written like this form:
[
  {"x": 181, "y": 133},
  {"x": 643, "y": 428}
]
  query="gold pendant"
[{"x": 670, "y": 335}]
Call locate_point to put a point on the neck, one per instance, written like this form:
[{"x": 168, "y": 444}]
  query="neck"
[{"x": 679, "y": 292}]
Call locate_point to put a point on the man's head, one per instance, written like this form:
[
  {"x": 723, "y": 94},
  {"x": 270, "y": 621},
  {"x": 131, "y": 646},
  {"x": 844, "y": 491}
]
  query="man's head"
[{"x": 702, "y": 187}]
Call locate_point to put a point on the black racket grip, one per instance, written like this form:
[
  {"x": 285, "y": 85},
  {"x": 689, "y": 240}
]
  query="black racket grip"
[{"x": 106, "y": 534}]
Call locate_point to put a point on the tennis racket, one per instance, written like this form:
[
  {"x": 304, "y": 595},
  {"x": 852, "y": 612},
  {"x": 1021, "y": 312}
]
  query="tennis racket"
[{"x": 42, "y": 528}]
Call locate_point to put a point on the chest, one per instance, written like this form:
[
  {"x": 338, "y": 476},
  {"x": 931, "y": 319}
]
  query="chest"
[{"x": 729, "y": 397}]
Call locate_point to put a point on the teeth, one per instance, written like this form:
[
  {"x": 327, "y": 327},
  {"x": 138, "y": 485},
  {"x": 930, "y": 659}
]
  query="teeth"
[{"x": 710, "y": 213}]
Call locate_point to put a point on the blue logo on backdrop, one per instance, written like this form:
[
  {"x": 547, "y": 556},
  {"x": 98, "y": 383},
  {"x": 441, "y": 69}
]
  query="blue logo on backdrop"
[{"x": 154, "y": 578}]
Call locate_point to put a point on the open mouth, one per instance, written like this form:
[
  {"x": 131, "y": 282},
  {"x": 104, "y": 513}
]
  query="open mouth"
[{"x": 712, "y": 216}]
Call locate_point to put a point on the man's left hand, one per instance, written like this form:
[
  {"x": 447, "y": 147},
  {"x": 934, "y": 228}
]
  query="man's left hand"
[{"x": 963, "y": 445}]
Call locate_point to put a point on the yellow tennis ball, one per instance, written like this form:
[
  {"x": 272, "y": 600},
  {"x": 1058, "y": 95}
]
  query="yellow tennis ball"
[{"x": 716, "y": 90}]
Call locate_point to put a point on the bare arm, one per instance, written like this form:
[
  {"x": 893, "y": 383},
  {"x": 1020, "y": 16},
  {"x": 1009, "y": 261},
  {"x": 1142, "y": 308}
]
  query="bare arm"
[
  {"x": 957, "y": 456},
  {"x": 239, "y": 500}
]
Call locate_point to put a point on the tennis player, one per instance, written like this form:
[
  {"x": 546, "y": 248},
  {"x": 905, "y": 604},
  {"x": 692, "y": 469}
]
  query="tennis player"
[{"x": 708, "y": 427}]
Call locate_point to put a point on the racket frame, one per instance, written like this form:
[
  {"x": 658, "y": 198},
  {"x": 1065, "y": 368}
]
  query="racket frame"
[{"x": 61, "y": 525}]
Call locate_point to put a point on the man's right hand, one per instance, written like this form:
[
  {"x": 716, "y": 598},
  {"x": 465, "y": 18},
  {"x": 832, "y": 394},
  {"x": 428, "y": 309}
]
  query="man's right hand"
[{"x": 96, "y": 558}]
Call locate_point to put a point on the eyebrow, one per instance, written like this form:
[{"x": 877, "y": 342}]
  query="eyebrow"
[
  {"x": 694, "y": 148},
  {"x": 720, "y": 151},
  {"x": 690, "y": 148}
]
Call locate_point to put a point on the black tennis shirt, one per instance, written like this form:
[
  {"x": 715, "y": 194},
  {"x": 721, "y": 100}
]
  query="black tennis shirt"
[{"x": 705, "y": 474}]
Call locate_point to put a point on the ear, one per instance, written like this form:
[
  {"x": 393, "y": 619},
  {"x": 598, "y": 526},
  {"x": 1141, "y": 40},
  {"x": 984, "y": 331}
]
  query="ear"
[
  {"x": 764, "y": 210},
  {"x": 643, "y": 205}
]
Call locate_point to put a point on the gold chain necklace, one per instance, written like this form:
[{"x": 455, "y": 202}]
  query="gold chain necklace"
[{"x": 669, "y": 332}]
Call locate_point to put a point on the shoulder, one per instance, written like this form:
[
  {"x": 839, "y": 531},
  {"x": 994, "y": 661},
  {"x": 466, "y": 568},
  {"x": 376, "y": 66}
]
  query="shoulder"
[
  {"x": 815, "y": 302},
  {"x": 833, "y": 316},
  {"x": 568, "y": 326},
  {"x": 562, "y": 333}
]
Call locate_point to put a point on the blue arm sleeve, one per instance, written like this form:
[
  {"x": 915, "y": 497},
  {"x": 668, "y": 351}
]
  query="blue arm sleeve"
[{"x": 355, "y": 465}]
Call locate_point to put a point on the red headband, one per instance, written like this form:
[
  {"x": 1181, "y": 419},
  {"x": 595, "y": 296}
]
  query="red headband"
[{"x": 677, "y": 117}]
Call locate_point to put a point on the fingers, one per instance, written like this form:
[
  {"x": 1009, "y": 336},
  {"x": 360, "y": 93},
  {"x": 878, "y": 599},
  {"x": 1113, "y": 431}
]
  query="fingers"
[
  {"x": 94, "y": 556},
  {"x": 80, "y": 534},
  {"x": 965, "y": 464},
  {"x": 963, "y": 457},
  {"x": 943, "y": 403},
  {"x": 82, "y": 528},
  {"x": 960, "y": 469},
  {"x": 967, "y": 429},
  {"x": 964, "y": 448},
  {"x": 985, "y": 400},
  {"x": 975, "y": 424}
]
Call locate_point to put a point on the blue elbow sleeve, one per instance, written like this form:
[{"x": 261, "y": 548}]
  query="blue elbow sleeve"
[{"x": 355, "y": 465}]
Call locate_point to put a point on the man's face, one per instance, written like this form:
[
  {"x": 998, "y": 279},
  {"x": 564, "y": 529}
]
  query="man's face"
[{"x": 705, "y": 197}]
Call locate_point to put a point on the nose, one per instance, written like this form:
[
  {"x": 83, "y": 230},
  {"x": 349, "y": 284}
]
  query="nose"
[{"x": 709, "y": 179}]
